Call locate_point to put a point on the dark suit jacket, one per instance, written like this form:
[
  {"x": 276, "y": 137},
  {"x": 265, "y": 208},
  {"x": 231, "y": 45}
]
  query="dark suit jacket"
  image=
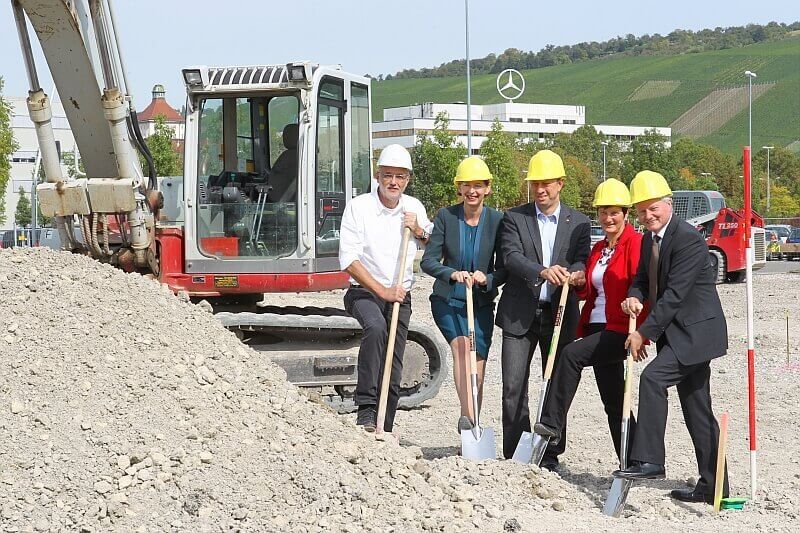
[
  {"x": 687, "y": 310},
  {"x": 521, "y": 245},
  {"x": 443, "y": 253}
]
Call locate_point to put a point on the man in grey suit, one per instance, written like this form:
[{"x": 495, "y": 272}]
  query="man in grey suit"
[{"x": 542, "y": 244}]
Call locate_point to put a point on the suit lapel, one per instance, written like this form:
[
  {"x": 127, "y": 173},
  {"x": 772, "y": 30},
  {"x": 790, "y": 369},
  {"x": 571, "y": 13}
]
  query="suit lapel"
[
  {"x": 533, "y": 227},
  {"x": 563, "y": 229}
]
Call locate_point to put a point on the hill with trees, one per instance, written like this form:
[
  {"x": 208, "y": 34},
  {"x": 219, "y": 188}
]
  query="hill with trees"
[{"x": 651, "y": 90}]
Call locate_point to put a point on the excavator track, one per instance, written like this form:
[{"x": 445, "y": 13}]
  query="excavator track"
[{"x": 318, "y": 349}]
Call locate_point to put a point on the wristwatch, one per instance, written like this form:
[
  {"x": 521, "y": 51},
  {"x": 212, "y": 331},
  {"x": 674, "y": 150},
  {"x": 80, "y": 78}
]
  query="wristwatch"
[{"x": 424, "y": 235}]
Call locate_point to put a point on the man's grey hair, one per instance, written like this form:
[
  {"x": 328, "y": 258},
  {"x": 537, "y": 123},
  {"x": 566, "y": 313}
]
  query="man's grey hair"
[{"x": 667, "y": 199}]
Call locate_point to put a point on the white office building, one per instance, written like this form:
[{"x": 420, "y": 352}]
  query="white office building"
[
  {"x": 23, "y": 160},
  {"x": 534, "y": 122}
]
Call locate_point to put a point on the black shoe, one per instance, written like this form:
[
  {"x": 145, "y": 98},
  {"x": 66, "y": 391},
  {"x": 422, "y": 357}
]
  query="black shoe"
[
  {"x": 641, "y": 471},
  {"x": 367, "y": 417},
  {"x": 692, "y": 495},
  {"x": 549, "y": 463},
  {"x": 547, "y": 431}
]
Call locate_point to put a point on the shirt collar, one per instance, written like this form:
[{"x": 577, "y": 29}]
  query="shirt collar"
[
  {"x": 380, "y": 208},
  {"x": 663, "y": 230},
  {"x": 555, "y": 214}
]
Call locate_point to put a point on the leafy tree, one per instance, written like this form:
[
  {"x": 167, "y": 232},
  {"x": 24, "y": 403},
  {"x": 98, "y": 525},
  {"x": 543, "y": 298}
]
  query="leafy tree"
[
  {"x": 783, "y": 203},
  {"x": 435, "y": 160},
  {"x": 586, "y": 144},
  {"x": 165, "y": 158},
  {"x": 41, "y": 219},
  {"x": 579, "y": 185},
  {"x": 22, "y": 216},
  {"x": 648, "y": 152},
  {"x": 498, "y": 152},
  {"x": 7, "y": 146}
]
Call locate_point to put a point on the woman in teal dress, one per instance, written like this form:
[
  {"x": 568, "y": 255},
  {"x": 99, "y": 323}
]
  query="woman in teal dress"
[{"x": 463, "y": 249}]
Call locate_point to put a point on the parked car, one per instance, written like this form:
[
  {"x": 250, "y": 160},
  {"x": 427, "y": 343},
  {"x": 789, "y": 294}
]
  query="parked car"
[
  {"x": 794, "y": 236},
  {"x": 782, "y": 230},
  {"x": 597, "y": 234}
]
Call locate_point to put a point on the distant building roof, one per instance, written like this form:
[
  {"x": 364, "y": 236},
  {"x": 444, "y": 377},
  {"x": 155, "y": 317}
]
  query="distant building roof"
[{"x": 159, "y": 106}]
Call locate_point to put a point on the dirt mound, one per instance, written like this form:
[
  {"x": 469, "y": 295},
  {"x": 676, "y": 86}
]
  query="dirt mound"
[{"x": 125, "y": 408}]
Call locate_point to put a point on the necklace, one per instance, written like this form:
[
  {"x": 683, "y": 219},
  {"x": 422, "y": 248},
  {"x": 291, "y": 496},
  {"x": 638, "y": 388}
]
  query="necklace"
[{"x": 605, "y": 255}]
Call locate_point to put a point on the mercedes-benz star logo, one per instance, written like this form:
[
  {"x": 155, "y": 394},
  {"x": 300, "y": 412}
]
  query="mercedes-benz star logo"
[{"x": 514, "y": 84}]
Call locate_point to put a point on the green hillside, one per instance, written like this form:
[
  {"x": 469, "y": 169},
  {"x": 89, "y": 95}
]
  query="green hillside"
[{"x": 605, "y": 88}]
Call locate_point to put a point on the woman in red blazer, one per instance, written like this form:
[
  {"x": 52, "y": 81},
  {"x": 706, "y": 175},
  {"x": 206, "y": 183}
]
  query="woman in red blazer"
[{"x": 603, "y": 327}]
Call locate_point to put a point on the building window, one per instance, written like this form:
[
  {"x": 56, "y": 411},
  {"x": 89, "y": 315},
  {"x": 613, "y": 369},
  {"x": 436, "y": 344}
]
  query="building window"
[
  {"x": 551, "y": 121},
  {"x": 565, "y": 121},
  {"x": 514, "y": 119},
  {"x": 535, "y": 120}
]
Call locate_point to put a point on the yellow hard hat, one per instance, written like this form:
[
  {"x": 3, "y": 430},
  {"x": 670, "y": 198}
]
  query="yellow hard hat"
[
  {"x": 648, "y": 185},
  {"x": 545, "y": 165},
  {"x": 611, "y": 192},
  {"x": 472, "y": 168}
]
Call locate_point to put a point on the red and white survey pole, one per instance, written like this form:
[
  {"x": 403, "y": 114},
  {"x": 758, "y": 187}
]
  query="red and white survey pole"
[{"x": 751, "y": 365}]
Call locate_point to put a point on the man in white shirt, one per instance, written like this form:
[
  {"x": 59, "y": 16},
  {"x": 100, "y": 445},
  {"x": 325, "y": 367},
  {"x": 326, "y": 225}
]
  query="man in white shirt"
[{"x": 369, "y": 249}]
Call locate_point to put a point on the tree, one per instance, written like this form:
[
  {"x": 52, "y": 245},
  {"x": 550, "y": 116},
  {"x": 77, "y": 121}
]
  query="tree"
[
  {"x": 435, "y": 160},
  {"x": 783, "y": 203},
  {"x": 498, "y": 153},
  {"x": 165, "y": 158},
  {"x": 648, "y": 152},
  {"x": 7, "y": 146},
  {"x": 22, "y": 216}
]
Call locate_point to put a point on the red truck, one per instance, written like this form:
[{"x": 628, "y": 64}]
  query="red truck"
[{"x": 723, "y": 229}]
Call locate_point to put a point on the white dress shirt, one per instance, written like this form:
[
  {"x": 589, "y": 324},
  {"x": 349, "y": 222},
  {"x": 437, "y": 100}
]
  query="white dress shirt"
[
  {"x": 372, "y": 234},
  {"x": 547, "y": 229}
]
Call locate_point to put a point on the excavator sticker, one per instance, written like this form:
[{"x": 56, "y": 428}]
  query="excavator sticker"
[{"x": 227, "y": 282}]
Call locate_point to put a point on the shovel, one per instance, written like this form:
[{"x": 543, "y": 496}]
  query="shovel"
[
  {"x": 387, "y": 364},
  {"x": 476, "y": 443},
  {"x": 618, "y": 493},
  {"x": 531, "y": 447}
]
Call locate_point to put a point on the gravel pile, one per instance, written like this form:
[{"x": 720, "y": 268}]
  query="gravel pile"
[{"x": 123, "y": 408}]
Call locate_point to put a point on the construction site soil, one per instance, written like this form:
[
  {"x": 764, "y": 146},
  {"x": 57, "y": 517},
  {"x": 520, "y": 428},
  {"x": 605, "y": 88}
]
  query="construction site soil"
[{"x": 124, "y": 408}]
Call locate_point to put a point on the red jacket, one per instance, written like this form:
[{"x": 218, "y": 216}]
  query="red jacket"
[{"x": 617, "y": 279}]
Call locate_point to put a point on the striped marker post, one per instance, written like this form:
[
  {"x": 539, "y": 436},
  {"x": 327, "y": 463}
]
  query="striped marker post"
[{"x": 751, "y": 366}]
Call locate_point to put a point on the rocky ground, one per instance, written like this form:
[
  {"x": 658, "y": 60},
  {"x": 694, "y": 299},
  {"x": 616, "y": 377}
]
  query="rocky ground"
[{"x": 123, "y": 408}]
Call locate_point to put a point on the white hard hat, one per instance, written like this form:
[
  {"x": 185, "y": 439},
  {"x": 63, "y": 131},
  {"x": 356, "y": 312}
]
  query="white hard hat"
[{"x": 395, "y": 155}]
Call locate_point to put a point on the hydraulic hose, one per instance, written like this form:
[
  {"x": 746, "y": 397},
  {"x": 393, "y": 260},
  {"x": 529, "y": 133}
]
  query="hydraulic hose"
[{"x": 141, "y": 145}]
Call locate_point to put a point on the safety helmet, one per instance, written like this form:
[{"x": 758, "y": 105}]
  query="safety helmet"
[
  {"x": 473, "y": 168},
  {"x": 395, "y": 155},
  {"x": 545, "y": 165},
  {"x": 611, "y": 192},
  {"x": 648, "y": 185}
]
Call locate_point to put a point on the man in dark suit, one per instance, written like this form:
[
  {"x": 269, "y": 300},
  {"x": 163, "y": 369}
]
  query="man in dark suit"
[
  {"x": 542, "y": 243},
  {"x": 688, "y": 326}
]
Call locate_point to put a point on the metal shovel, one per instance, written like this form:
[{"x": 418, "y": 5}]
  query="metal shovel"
[
  {"x": 476, "y": 443},
  {"x": 387, "y": 364},
  {"x": 618, "y": 493},
  {"x": 531, "y": 447}
]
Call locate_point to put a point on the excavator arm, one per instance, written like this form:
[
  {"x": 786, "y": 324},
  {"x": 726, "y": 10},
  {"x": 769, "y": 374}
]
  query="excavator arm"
[{"x": 115, "y": 203}]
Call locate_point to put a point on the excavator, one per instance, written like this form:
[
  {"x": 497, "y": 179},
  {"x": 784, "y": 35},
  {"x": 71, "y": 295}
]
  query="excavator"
[{"x": 272, "y": 155}]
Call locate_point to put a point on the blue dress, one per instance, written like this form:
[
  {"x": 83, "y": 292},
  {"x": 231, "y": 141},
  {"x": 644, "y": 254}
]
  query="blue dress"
[{"x": 451, "y": 315}]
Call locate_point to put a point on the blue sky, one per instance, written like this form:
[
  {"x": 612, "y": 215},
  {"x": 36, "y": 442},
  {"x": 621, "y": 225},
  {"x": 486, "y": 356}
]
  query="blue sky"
[{"x": 375, "y": 37}]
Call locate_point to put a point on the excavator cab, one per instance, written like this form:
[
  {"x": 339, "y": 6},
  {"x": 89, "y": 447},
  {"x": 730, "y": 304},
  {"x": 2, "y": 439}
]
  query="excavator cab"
[{"x": 272, "y": 156}]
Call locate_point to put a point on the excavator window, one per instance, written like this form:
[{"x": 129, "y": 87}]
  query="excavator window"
[{"x": 247, "y": 177}]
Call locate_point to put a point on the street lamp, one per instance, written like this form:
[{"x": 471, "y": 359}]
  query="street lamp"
[
  {"x": 469, "y": 88},
  {"x": 768, "y": 148},
  {"x": 604, "y": 143}
]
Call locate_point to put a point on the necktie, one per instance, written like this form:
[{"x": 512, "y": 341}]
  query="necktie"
[{"x": 652, "y": 272}]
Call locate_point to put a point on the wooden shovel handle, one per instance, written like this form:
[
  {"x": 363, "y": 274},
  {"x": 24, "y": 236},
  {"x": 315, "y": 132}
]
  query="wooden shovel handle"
[
  {"x": 387, "y": 364},
  {"x": 551, "y": 355}
]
